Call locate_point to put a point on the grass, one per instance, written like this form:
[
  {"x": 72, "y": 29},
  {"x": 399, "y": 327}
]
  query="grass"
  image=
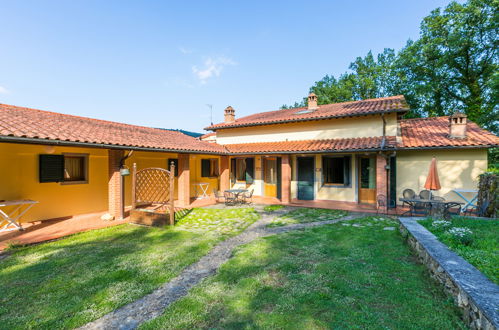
[
  {"x": 273, "y": 208},
  {"x": 483, "y": 252},
  {"x": 304, "y": 215},
  {"x": 67, "y": 283},
  {"x": 334, "y": 276}
]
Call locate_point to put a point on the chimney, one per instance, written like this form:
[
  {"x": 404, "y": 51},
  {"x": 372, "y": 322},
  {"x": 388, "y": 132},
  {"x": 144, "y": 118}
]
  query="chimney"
[
  {"x": 230, "y": 114},
  {"x": 312, "y": 101},
  {"x": 457, "y": 125}
]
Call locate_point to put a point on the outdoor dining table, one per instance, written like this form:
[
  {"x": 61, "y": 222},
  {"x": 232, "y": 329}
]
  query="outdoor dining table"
[
  {"x": 468, "y": 202},
  {"x": 21, "y": 206},
  {"x": 237, "y": 193},
  {"x": 434, "y": 209}
]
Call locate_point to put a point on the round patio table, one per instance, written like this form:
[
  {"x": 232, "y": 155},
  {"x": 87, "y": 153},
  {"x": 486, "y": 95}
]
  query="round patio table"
[
  {"x": 236, "y": 193},
  {"x": 435, "y": 208}
]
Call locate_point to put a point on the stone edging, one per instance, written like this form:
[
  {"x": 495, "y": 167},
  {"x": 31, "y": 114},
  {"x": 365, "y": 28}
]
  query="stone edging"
[{"x": 474, "y": 293}]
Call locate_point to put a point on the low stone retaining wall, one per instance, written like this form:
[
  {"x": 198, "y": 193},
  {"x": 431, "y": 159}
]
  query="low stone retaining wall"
[{"x": 474, "y": 293}]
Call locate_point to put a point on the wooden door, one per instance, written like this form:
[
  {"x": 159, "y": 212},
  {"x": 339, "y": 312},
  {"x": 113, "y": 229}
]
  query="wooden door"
[
  {"x": 306, "y": 178},
  {"x": 270, "y": 176},
  {"x": 367, "y": 180}
]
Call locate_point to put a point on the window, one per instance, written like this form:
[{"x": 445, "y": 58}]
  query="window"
[
  {"x": 243, "y": 170},
  {"x": 209, "y": 168},
  {"x": 66, "y": 168},
  {"x": 175, "y": 162},
  {"x": 336, "y": 170},
  {"x": 75, "y": 168}
]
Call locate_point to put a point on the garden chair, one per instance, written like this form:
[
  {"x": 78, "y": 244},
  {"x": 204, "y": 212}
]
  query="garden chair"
[
  {"x": 479, "y": 211},
  {"x": 381, "y": 203},
  {"x": 453, "y": 209},
  {"x": 218, "y": 196},
  {"x": 247, "y": 197},
  {"x": 230, "y": 198},
  {"x": 425, "y": 194}
]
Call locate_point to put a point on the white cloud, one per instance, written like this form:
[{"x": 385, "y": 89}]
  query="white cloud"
[
  {"x": 184, "y": 50},
  {"x": 212, "y": 67},
  {"x": 4, "y": 90}
]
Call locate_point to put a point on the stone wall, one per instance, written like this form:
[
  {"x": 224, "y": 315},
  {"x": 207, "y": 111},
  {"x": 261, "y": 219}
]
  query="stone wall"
[{"x": 475, "y": 294}]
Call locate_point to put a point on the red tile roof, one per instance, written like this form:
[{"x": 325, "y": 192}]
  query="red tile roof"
[
  {"x": 331, "y": 145},
  {"x": 434, "y": 133},
  {"x": 19, "y": 122},
  {"x": 335, "y": 110}
]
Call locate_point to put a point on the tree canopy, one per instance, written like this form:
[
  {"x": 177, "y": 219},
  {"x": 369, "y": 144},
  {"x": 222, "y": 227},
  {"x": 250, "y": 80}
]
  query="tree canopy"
[{"x": 452, "y": 66}]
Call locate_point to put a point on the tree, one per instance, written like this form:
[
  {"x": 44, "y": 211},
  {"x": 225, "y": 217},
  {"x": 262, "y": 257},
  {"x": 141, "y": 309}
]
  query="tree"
[{"x": 452, "y": 66}]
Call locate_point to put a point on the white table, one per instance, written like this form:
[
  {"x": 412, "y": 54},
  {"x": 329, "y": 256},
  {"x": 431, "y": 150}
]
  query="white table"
[
  {"x": 469, "y": 202},
  {"x": 201, "y": 189},
  {"x": 21, "y": 206}
]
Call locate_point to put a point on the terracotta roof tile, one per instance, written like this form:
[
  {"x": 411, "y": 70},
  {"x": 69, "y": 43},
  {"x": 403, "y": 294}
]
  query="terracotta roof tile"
[
  {"x": 330, "y": 145},
  {"x": 45, "y": 125},
  {"x": 335, "y": 110},
  {"x": 434, "y": 132}
]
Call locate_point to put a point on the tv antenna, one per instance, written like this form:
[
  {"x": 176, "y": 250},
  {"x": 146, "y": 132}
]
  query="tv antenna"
[{"x": 211, "y": 112}]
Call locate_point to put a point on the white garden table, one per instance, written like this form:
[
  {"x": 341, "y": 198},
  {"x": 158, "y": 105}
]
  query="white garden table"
[
  {"x": 21, "y": 206},
  {"x": 469, "y": 202},
  {"x": 202, "y": 189}
]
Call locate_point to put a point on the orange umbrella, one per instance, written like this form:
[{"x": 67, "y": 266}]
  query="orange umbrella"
[{"x": 432, "y": 181}]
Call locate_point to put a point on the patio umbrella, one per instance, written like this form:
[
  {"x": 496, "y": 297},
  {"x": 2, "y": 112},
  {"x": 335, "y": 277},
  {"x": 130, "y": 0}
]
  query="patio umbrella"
[{"x": 432, "y": 181}]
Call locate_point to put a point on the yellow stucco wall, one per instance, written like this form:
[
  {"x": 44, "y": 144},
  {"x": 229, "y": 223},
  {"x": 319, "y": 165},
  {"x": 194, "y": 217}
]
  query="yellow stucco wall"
[
  {"x": 160, "y": 159},
  {"x": 19, "y": 179},
  {"x": 458, "y": 168},
  {"x": 324, "y": 129}
]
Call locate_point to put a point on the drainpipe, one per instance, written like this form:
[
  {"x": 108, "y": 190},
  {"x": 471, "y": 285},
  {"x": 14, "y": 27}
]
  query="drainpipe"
[{"x": 122, "y": 184}]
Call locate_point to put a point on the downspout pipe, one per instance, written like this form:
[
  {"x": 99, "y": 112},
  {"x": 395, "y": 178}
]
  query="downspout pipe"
[{"x": 122, "y": 184}]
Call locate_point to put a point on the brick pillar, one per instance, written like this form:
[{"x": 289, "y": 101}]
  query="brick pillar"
[
  {"x": 184, "y": 180},
  {"x": 381, "y": 179},
  {"x": 224, "y": 173},
  {"x": 286, "y": 179},
  {"x": 115, "y": 204}
]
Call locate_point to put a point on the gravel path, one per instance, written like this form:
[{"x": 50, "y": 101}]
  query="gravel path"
[{"x": 152, "y": 305}]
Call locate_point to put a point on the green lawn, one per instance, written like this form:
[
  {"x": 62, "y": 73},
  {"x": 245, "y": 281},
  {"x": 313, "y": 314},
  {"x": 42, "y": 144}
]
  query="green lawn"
[
  {"x": 483, "y": 250},
  {"x": 303, "y": 215},
  {"x": 336, "y": 276},
  {"x": 67, "y": 283},
  {"x": 272, "y": 208}
]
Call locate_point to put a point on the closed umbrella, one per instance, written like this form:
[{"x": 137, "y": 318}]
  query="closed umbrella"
[{"x": 432, "y": 181}]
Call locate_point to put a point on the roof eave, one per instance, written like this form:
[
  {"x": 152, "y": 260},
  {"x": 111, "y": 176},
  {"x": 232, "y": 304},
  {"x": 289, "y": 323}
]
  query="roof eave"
[{"x": 26, "y": 140}]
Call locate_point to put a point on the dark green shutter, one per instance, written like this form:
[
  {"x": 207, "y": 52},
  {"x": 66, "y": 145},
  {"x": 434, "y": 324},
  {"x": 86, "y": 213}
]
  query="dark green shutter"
[
  {"x": 205, "y": 168},
  {"x": 233, "y": 170},
  {"x": 51, "y": 168},
  {"x": 175, "y": 162},
  {"x": 346, "y": 170},
  {"x": 250, "y": 170}
]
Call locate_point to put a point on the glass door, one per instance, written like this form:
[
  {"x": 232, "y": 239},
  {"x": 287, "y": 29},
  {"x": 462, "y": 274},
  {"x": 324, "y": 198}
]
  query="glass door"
[
  {"x": 367, "y": 179},
  {"x": 270, "y": 176}
]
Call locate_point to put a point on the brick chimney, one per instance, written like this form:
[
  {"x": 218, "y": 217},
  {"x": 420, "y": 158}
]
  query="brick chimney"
[
  {"x": 230, "y": 114},
  {"x": 457, "y": 125},
  {"x": 312, "y": 101}
]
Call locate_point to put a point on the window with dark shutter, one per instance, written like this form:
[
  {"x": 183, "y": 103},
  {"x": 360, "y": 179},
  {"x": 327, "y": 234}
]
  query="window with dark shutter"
[
  {"x": 205, "y": 168},
  {"x": 250, "y": 170},
  {"x": 51, "y": 168},
  {"x": 336, "y": 171}
]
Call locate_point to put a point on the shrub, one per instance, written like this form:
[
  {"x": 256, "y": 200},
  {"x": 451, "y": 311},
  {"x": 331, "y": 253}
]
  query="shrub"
[
  {"x": 441, "y": 224},
  {"x": 461, "y": 235}
]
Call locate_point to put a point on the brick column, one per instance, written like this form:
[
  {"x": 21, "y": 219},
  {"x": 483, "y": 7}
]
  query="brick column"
[
  {"x": 224, "y": 173},
  {"x": 115, "y": 189},
  {"x": 381, "y": 179},
  {"x": 286, "y": 179},
  {"x": 184, "y": 180}
]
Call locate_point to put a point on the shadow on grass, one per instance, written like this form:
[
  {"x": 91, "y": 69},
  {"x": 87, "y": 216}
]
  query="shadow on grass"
[{"x": 70, "y": 282}]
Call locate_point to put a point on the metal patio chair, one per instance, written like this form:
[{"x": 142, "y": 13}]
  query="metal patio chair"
[{"x": 247, "y": 197}]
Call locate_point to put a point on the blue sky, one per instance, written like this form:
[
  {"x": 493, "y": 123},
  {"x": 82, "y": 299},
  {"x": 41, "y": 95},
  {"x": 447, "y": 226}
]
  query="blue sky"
[{"x": 158, "y": 63}]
